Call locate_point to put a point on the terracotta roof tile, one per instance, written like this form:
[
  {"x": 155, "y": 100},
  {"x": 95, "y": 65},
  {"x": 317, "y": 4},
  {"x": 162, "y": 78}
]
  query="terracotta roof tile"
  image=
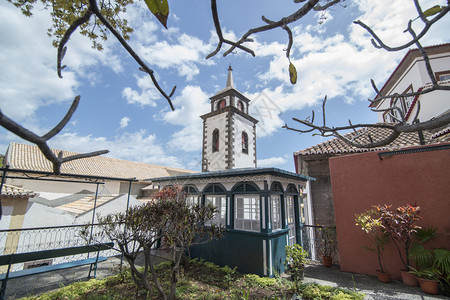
[
  {"x": 16, "y": 192},
  {"x": 29, "y": 157},
  {"x": 337, "y": 146}
]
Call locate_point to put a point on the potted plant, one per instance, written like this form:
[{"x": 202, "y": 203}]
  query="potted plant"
[
  {"x": 428, "y": 279},
  {"x": 401, "y": 225},
  {"x": 432, "y": 265},
  {"x": 370, "y": 222},
  {"x": 296, "y": 258},
  {"x": 326, "y": 243}
]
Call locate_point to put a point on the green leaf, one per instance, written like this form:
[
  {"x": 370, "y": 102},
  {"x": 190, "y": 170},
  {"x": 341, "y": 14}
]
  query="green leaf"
[
  {"x": 292, "y": 73},
  {"x": 432, "y": 11},
  {"x": 160, "y": 8}
]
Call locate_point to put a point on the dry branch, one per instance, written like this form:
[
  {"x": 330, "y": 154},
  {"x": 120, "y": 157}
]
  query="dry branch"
[{"x": 41, "y": 141}]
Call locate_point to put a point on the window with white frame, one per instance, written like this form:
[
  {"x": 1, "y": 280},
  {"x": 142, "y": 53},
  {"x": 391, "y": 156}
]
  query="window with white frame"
[
  {"x": 275, "y": 207},
  {"x": 290, "y": 214},
  {"x": 220, "y": 204},
  {"x": 192, "y": 197},
  {"x": 192, "y": 200},
  {"x": 290, "y": 209},
  {"x": 246, "y": 216}
]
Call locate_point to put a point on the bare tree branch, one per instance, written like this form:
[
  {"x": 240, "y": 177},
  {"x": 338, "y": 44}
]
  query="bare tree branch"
[
  {"x": 395, "y": 128},
  {"x": 289, "y": 32},
  {"x": 62, "y": 45},
  {"x": 305, "y": 9},
  {"x": 93, "y": 9},
  {"x": 222, "y": 40},
  {"x": 319, "y": 7},
  {"x": 378, "y": 43},
  {"x": 41, "y": 141}
]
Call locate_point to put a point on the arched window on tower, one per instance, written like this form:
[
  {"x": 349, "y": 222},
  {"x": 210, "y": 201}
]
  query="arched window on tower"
[
  {"x": 240, "y": 106},
  {"x": 221, "y": 104},
  {"x": 215, "y": 140},
  {"x": 244, "y": 142}
]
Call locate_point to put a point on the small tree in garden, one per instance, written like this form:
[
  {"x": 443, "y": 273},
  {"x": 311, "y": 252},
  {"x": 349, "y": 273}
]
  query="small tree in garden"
[
  {"x": 400, "y": 224},
  {"x": 167, "y": 217},
  {"x": 296, "y": 258},
  {"x": 370, "y": 222}
]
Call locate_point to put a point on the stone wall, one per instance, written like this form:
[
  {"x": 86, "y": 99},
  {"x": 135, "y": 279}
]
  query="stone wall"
[{"x": 321, "y": 194}]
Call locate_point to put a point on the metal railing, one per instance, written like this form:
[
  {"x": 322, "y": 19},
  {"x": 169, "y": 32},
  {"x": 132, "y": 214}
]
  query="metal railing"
[{"x": 45, "y": 238}]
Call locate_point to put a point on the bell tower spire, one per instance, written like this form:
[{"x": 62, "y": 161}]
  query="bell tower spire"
[{"x": 230, "y": 82}]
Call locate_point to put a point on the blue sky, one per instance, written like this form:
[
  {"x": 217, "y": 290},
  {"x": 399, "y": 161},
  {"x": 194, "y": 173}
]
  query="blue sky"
[{"x": 121, "y": 111}]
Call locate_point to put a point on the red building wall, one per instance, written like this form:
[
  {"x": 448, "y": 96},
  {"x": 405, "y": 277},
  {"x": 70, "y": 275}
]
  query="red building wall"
[{"x": 362, "y": 180}]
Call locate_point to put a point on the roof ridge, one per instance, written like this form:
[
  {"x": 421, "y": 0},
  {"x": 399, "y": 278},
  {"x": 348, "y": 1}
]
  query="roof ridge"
[
  {"x": 338, "y": 146},
  {"x": 29, "y": 157}
]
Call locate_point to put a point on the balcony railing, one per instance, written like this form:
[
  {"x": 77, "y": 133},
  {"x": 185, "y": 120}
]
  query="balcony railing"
[{"x": 44, "y": 238}]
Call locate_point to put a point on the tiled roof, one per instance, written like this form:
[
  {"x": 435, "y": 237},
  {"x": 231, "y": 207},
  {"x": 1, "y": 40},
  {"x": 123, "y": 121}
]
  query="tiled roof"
[
  {"x": 337, "y": 146},
  {"x": 29, "y": 157},
  {"x": 16, "y": 192},
  {"x": 85, "y": 204}
]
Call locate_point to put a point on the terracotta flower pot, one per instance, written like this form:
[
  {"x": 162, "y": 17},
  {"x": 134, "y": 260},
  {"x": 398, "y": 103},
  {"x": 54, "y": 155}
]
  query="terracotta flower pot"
[
  {"x": 408, "y": 278},
  {"x": 428, "y": 286},
  {"x": 383, "y": 276},
  {"x": 327, "y": 260}
]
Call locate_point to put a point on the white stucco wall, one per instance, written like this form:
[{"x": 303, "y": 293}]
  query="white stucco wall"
[
  {"x": 118, "y": 204},
  {"x": 432, "y": 104},
  {"x": 6, "y": 217},
  {"x": 62, "y": 187},
  {"x": 240, "y": 159},
  {"x": 39, "y": 215},
  {"x": 216, "y": 160}
]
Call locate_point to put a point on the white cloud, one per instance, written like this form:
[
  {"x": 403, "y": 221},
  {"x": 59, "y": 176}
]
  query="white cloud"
[
  {"x": 190, "y": 105},
  {"x": 136, "y": 146},
  {"x": 183, "y": 55},
  {"x": 124, "y": 122},
  {"x": 337, "y": 65},
  {"x": 271, "y": 162},
  {"x": 147, "y": 95},
  {"x": 27, "y": 60}
]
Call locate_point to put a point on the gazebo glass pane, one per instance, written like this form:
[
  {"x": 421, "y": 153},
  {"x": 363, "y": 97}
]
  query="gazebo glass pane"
[{"x": 247, "y": 213}]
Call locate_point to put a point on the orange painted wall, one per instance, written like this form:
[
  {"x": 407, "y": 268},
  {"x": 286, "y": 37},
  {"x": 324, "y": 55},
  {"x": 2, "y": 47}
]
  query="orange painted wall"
[{"x": 362, "y": 180}]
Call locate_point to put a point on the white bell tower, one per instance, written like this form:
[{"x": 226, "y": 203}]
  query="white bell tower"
[{"x": 229, "y": 132}]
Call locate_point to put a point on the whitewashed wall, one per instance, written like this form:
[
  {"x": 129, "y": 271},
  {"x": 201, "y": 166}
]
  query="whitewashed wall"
[
  {"x": 216, "y": 160},
  {"x": 432, "y": 104},
  {"x": 243, "y": 160}
]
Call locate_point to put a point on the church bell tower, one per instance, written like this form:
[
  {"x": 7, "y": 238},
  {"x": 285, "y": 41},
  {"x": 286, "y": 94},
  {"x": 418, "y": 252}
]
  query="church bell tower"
[{"x": 229, "y": 132}]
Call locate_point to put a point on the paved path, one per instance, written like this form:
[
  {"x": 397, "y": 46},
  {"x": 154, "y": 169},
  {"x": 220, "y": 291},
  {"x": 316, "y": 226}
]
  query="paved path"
[
  {"x": 375, "y": 290},
  {"x": 368, "y": 285}
]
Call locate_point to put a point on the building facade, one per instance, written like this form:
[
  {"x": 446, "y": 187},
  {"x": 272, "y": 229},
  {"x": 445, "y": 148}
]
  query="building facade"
[
  {"x": 260, "y": 209},
  {"x": 229, "y": 132},
  {"x": 411, "y": 76}
]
